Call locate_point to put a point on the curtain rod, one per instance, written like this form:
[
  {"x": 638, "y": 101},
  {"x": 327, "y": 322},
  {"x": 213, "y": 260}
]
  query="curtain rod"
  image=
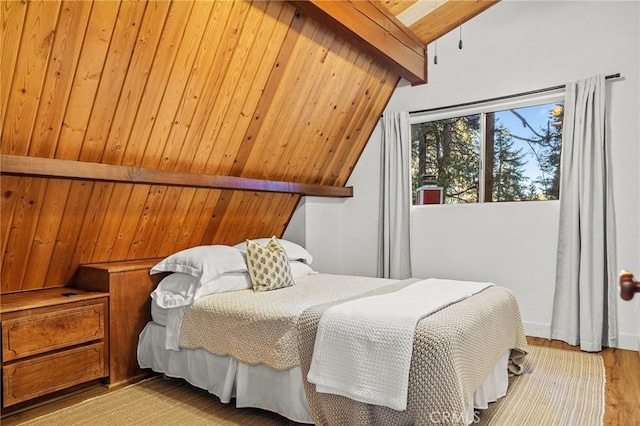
[{"x": 500, "y": 98}]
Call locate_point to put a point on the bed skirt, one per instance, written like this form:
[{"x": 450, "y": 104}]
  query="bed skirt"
[{"x": 259, "y": 386}]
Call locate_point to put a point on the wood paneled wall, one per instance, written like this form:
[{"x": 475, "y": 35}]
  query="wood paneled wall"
[{"x": 237, "y": 88}]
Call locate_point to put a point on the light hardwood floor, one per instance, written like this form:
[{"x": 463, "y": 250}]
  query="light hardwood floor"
[
  {"x": 622, "y": 390},
  {"x": 622, "y": 394}
]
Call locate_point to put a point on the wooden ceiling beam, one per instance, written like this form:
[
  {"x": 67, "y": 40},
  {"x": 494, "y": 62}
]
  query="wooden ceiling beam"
[
  {"x": 448, "y": 16},
  {"x": 19, "y": 165},
  {"x": 369, "y": 26}
]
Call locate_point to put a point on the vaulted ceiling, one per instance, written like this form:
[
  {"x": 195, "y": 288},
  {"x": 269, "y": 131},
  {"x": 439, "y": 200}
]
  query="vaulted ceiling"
[
  {"x": 134, "y": 129},
  {"x": 430, "y": 19}
]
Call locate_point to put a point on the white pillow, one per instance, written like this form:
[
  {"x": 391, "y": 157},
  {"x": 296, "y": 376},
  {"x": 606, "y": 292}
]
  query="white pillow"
[
  {"x": 175, "y": 290},
  {"x": 293, "y": 250},
  {"x": 300, "y": 269},
  {"x": 179, "y": 289},
  {"x": 203, "y": 262},
  {"x": 229, "y": 281}
]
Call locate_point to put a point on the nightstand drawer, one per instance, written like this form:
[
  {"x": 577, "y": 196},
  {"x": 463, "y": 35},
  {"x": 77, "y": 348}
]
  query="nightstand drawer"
[
  {"x": 23, "y": 380},
  {"x": 46, "y": 331}
]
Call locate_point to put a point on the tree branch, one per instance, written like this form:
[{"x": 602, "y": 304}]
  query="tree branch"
[{"x": 525, "y": 123}]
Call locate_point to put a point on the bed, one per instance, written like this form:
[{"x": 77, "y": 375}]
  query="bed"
[{"x": 257, "y": 346}]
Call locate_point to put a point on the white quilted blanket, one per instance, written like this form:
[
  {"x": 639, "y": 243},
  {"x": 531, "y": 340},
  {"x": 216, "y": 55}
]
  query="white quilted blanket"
[{"x": 363, "y": 347}]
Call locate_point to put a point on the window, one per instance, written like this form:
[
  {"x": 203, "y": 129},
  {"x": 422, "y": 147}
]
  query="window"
[{"x": 499, "y": 154}]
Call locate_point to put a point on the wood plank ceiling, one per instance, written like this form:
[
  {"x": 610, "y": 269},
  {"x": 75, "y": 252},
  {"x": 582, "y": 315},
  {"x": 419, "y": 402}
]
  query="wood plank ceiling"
[
  {"x": 230, "y": 88},
  {"x": 431, "y": 19}
]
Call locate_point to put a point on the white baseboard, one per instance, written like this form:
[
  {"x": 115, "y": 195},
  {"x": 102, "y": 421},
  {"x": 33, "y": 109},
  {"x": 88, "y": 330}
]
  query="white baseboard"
[
  {"x": 629, "y": 341},
  {"x": 537, "y": 330},
  {"x": 625, "y": 341}
]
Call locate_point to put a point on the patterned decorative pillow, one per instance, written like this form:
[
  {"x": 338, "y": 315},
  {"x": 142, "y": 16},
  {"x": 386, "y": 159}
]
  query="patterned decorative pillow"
[{"x": 268, "y": 266}]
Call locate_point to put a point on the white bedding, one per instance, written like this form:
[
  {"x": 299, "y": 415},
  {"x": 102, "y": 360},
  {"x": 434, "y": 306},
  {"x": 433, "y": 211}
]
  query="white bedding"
[
  {"x": 259, "y": 386},
  {"x": 158, "y": 313},
  {"x": 363, "y": 348},
  {"x": 256, "y": 386},
  {"x": 171, "y": 319}
]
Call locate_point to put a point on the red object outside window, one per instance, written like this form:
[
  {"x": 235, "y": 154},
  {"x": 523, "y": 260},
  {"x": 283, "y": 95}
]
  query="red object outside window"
[{"x": 429, "y": 195}]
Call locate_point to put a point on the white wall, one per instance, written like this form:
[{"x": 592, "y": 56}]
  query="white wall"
[
  {"x": 342, "y": 234},
  {"x": 513, "y": 47}
]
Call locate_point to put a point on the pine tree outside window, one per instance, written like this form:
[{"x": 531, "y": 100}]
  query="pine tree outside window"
[{"x": 509, "y": 152}]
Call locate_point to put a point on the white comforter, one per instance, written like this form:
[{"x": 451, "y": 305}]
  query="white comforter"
[{"x": 363, "y": 347}]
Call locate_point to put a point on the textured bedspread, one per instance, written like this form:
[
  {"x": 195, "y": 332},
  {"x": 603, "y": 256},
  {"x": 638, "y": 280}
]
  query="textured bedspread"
[
  {"x": 363, "y": 347},
  {"x": 454, "y": 350},
  {"x": 261, "y": 328}
]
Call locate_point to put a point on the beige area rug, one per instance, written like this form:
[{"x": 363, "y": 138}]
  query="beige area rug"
[{"x": 557, "y": 388}]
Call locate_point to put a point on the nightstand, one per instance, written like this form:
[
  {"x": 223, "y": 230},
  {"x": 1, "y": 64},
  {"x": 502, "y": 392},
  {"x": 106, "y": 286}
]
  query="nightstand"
[{"x": 52, "y": 339}]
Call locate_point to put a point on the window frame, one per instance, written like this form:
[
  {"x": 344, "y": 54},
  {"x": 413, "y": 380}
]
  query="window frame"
[{"x": 483, "y": 108}]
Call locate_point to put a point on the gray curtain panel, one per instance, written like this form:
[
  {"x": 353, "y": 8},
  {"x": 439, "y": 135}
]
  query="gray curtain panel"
[
  {"x": 584, "y": 306},
  {"x": 395, "y": 199}
]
